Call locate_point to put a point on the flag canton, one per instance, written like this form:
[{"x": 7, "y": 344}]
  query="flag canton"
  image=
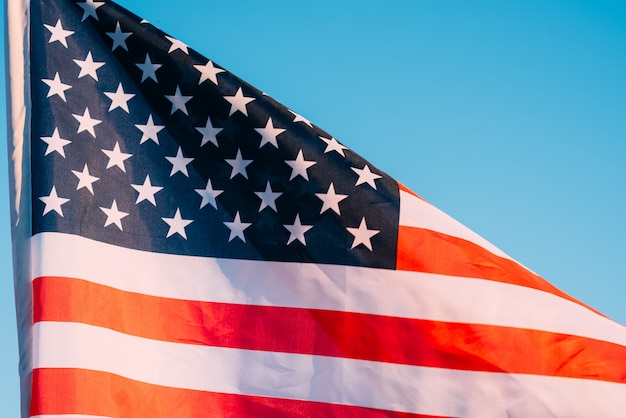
[{"x": 141, "y": 142}]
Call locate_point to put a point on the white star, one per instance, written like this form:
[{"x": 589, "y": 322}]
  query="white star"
[
  {"x": 362, "y": 235},
  {"x": 148, "y": 69},
  {"x": 179, "y": 102},
  {"x": 150, "y": 131},
  {"x": 209, "y": 133},
  {"x": 297, "y": 231},
  {"x": 268, "y": 198},
  {"x": 179, "y": 163},
  {"x": 90, "y": 7},
  {"x": 119, "y": 37},
  {"x": 333, "y": 145},
  {"x": 239, "y": 165},
  {"x": 300, "y": 118},
  {"x": 55, "y": 143},
  {"x": 366, "y": 176},
  {"x": 58, "y": 33},
  {"x": 57, "y": 87},
  {"x": 236, "y": 228},
  {"x": 238, "y": 102},
  {"x": 177, "y": 225},
  {"x": 85, "y": 179},
  {"x": 117, "y": 157},
  {"x": 53, "y": 202},
  {"x": 114, "y": 215},
  {"x": 269, "y": 133},
  {"x": 88, "y": 67},
  {"x": 146, "y": 191},
  {"x": 208, "y": 72},
  {"x": 86, "y": 122},
  {"x": 176, "y": 44},
  {"x": 208, "y": 195},
  {"x": 299, "y": 166},
  {"x": 119, "y": 98},
  {"x": 331, "y": 199}
]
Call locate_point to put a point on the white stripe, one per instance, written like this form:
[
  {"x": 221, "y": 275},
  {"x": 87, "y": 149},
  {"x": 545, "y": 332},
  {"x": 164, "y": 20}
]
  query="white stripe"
[
  {"x": 418, "y": 213},
  {"x": 323, "y": 379},
  {"x": 341, "y": 288}
]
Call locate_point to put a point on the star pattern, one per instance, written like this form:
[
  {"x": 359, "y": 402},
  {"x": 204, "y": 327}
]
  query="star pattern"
[
  {"x": 148, "y": 69},
  {"x": 89, "y": 8},
  {"x": 299, "y": 166},
  {"x": 208, "y": 72},
  {"x": 208, "y": 195},
  {"x": 239, "y": 165},
  {"x": 330, "y": 200},
  {"x": 58, "y": 34},
  {"x": 125, "y": 132},
  {"x": 238, "y": 102},
  {"x": 362, "y": 235},
  {"x": 366, "y": 176},
  {"x": 85, "y": 179},
  {"x": 176, "y": 44},
  {"x": 146, "y": 191},
  {"x": 300, "y": 118},
  {"x": 86, "y": 122},
  {"x": 119, "y": 38},
  {"x": 88, "y": 67},
  {"x": 333, "y": 145},
  {"x": 177, "y": 225},
  {"x": 114, "y": 216},
  {"x": 150, "y": 131},
  {"x": 53, "y": 202},
  {"x": 179, "y": 163},
  {"x": 116, "y": 157},
  {"x": 236, "y": 228},
  {"x": 268, "y": 198},
  {"x": 269, "y": 133},
  {"x": 179, "y": 102},
  {"x": 55, "y": 143},
  {"x": 209, "y": 133},
  {"x": 57, "y": 87},
  {"x": 297, "y": 231},
  {"x": 119, "y": 98}
]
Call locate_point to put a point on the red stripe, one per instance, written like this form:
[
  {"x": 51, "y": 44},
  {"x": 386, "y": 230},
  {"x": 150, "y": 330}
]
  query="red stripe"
[
  {"x": 403, "y": 188},
  {"x": 427, "y": 251},
  {"x": 77, "y": 391},
  {"x": 329, "y": 333}
]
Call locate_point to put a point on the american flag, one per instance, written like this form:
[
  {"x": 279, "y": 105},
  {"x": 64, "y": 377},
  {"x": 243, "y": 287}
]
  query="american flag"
[{"x": 196, "y": 248}]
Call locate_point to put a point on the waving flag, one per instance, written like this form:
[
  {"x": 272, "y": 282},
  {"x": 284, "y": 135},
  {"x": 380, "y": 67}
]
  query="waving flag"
[{"x": 186, "y": 246}]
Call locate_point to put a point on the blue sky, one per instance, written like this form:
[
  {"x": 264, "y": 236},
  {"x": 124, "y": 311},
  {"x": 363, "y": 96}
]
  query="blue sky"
[{"x": 509, "y": 116}]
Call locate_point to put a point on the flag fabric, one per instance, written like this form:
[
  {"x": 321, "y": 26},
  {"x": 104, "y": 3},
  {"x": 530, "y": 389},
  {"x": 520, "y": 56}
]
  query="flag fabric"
[{"x": 186, "y": 246}]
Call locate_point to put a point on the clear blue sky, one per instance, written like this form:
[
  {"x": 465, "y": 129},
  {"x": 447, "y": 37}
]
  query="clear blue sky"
[{"x": 509, "y": 116}]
